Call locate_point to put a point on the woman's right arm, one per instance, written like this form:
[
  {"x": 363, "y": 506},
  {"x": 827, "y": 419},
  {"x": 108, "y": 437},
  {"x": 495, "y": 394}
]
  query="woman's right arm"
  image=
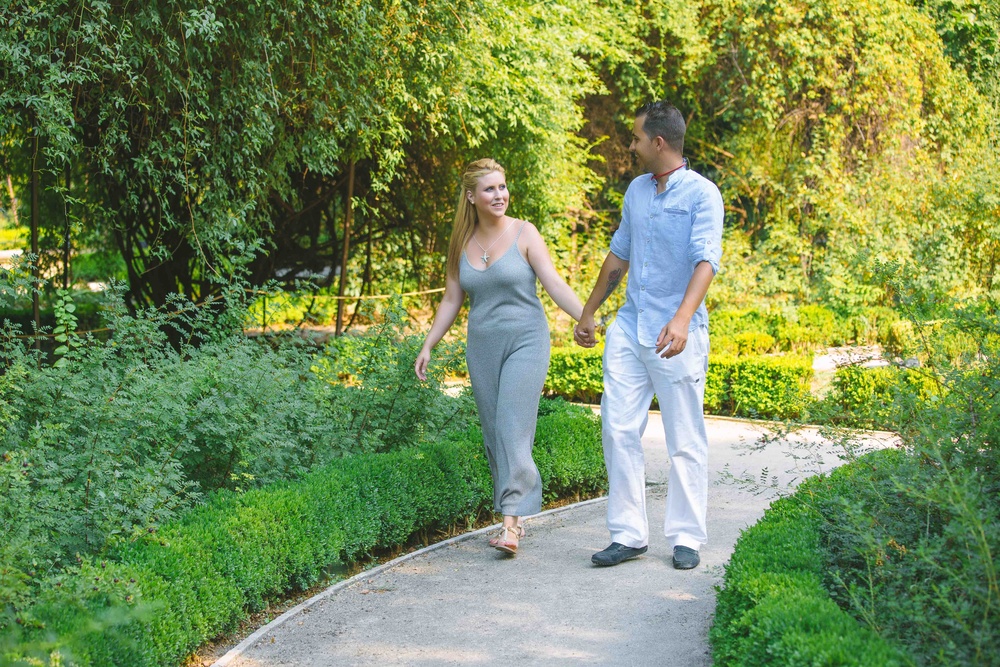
[{"x": 447, "y": 311}]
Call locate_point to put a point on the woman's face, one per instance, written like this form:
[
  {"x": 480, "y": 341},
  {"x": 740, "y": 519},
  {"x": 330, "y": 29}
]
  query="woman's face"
[{"x": 491, "y": 196}]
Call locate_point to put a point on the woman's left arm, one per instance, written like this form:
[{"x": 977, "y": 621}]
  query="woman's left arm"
[{"x": 541, "y": 263}]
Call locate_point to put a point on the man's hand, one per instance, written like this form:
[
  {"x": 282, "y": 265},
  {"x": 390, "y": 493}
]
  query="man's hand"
[
  {"x": 673, "y": 337},
  {"x": 583, "y": 332}
]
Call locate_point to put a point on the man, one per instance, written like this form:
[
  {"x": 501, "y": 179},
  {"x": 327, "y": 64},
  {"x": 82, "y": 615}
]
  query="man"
[{"x": 671, "y": 238}]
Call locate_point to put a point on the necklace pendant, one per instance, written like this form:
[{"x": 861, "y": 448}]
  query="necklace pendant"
[{"x": 485, "y": 258}]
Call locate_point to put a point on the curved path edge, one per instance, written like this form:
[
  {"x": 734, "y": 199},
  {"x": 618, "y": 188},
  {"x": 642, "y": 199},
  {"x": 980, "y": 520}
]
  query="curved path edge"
[{"x": 261, "y": 632}]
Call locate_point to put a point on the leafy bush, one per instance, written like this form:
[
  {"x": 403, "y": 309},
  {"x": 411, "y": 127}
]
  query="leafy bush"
[
  {"x": 881, "y": 397},
  {"x": 751, "y": 343},
  {"x": 791, "y": 328},
  {"x": 759, "y": 387},
  {"x": 904, "y": 540},
  {"x": 773, "y": 608},
  {"x": 932, "y": 516},
  {"x": 763, "y": 387},
  {"x": 576, "y": 373},
  {"x": 726, "y": 322},
  {"x": 123, "y": 435},
  {"x": 290, "y": 308},
  {"x": 574, "y": 467},
  {"x": 869, "y": 326},
  {"x": 376, "y": 400},
  {"x": 99, "y": 267},
  {"x": 202, "y": 574}
]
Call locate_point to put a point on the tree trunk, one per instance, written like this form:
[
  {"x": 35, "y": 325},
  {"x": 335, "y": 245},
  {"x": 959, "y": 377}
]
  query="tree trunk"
[
  {"x": 66, "y": 235},
  {"x": 13, "y": 201},
  {"x": 348, "y": 219},
  {"x": 36, "y": 187}
]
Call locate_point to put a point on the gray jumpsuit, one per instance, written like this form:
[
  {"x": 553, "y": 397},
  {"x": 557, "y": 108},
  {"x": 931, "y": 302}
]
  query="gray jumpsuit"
[{"x": 508, "y": 357}]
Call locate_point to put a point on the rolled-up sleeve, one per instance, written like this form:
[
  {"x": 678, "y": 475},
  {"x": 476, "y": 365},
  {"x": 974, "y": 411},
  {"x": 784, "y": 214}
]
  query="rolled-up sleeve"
[
  {"x": 621, "y": 241},
  {"x": 706, "y": 230}
]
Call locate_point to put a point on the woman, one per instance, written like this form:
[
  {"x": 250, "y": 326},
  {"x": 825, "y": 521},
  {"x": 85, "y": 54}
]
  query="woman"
[{"x": 496, "y": 259}]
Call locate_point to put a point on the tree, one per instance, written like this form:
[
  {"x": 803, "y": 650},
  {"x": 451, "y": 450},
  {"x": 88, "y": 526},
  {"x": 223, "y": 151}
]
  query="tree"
[
  {"x": 831, "y": 127},
  {"x": 206, "y": 134}
]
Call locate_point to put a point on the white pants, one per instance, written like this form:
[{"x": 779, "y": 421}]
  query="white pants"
[{"x": 632, "y": 374}]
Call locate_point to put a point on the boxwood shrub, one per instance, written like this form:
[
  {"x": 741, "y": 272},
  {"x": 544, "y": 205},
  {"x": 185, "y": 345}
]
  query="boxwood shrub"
[
  {"x": 773, "y": 607},
  {"x": 154, "y": 601},
  {"x": 576, "y": 373},
  {"x": 759, "y": 387},
  {"x": 767, "y": 387},
  {"x": 878, "y": 397}
]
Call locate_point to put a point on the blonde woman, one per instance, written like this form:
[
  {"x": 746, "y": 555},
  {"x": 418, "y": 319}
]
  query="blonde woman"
[{"x": 496, "y": 260}]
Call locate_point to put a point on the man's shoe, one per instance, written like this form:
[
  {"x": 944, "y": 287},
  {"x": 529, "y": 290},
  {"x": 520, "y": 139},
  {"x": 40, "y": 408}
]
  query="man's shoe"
[
  {"x": 616, "y": 553},
  {"x": 685, "y": 558}
]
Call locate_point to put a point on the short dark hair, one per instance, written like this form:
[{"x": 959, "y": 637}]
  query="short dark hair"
[{"x": 662, "y": 119}]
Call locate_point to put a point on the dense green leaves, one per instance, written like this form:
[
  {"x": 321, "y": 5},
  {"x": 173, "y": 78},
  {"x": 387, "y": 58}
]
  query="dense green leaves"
[
  {"x": 832, "y": 128},
  {"x": 195, "y": 135}
]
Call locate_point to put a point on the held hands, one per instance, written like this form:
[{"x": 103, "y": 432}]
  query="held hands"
[
  {"x": 583, "y": 332},
  {"x": 673, "y": 337}
]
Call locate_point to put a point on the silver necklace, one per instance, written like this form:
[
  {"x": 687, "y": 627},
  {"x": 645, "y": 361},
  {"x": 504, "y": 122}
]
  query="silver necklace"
[{"x": 486, "y": 255}]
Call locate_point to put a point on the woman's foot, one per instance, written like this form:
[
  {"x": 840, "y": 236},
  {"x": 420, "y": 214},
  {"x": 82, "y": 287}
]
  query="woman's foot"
[
  {"x": 507, "y": 540},
  {"x": 520, "y": 535}
]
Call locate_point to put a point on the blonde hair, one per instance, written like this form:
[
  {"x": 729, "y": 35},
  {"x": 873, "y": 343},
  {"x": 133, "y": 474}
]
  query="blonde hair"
[{"x": 466, "y": 217}]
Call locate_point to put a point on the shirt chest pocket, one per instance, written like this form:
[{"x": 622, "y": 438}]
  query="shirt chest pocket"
[{"x": 675, "y": 227}]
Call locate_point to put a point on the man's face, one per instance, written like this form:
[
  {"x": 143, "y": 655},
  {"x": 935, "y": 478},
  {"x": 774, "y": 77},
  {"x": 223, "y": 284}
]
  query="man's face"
[{"x": 642, "y": 145}]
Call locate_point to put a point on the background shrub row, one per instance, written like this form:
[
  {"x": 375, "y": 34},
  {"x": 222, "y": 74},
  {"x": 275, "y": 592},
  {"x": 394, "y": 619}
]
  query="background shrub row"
[
  {"x": 153, "y": 601},
  {"x": 766, "y": 387}
]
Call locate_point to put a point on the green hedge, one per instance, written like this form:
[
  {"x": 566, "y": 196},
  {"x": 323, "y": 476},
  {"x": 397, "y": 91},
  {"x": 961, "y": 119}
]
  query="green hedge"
[
  {"x": 576, "y": 373},
  {"x": 203, "y": 575},
  {"x": 768, "y": 387},
  {"x": 878, "y": 397},
  {"x": 759, "y": 387},
  {"x": 773, "y": 608}
]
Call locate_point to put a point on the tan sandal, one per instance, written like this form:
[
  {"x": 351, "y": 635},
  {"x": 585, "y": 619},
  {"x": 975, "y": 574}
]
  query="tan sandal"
[
  {"x": 521, "y": 532},
  {"x": 504, "y": 542}
]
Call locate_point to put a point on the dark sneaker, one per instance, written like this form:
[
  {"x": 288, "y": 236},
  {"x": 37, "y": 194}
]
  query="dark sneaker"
[
  {"x": 685, "y": 558},
  {"x": 616, "y": 553}
]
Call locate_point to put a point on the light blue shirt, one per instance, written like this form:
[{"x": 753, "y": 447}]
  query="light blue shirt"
[{"x": 664, "y": 237}]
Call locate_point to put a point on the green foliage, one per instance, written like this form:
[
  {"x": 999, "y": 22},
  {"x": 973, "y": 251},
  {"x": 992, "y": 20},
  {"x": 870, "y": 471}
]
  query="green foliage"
[
  {"x": 13, "y": 238},
  {"x": 931, "y": 515},
  {"x": 765, "y": 387},
  {"x": 376, "y": 399},
  {"x": 64, "y": 332},
  {"x": 970, "y": 30},
  {"x": 758, "y": 387},
  {"x": 773, "y": 609},
  {"x": 129, "y": 432},
  {"x": 191, "y": 137},
  {"x": 869, "y": 326},
  {"x": 209, "y": 570},
  {"x": 831, "y": 128},
  {"x": 99, "y": 267},
  {"x": 748, "y": 343},
  {"x": 925, "y": 512},
  {"x": 775, "y": 328},
  {"x": 576, "y": 373},
  {"x": 566, "y": 452},
  {"x": 881, "y": 397}
]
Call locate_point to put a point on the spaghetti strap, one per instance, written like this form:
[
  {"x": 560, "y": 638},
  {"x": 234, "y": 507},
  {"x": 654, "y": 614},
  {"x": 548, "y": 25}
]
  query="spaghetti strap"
[{"x": 523, "y": 223}]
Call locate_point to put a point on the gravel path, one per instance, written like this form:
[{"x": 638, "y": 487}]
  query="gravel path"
[{"x": 462, "y": 603}]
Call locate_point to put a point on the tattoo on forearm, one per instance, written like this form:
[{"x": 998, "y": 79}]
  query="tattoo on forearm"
[{"x": 614, "y": 278}]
